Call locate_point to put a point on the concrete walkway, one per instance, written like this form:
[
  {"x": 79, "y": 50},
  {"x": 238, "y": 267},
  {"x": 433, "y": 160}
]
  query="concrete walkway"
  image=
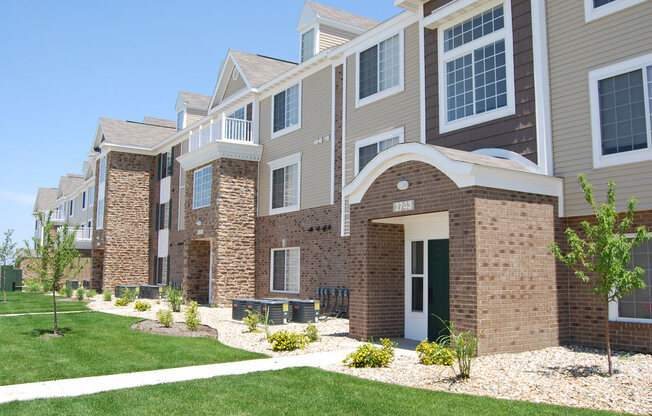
[
  {"x": 88, "y": 385},
  {"x": 40, "y": 313}
]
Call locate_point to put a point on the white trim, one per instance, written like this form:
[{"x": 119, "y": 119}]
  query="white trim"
[
  {"x": 220, "y": 149},
  {"x": 613, "y": 305},
  {"x": 509, "y": 155},
  {"x": 344, "y": 104},
  {"x": 333, "y": 92},
  {"x": 422, "y": 75},
  {"x": 463, "y": 174},
  {"x": 379, "y": 95},
  {"x": 293, "y": 127},
  {"x": 271, "y": 270},
  {"x": 194, "y": 187},
  {"x": 293, "y": 159},
  {"x": 183, "y": 122},
  {"x": 210, "y": 273},
  {"x": 633, "y": 156},
  {"x": 443, "y": 57},
  {"x": 399, "y": 132},
  {"x": 592, "y": 13},
  {"x": 315, "y": 48}
]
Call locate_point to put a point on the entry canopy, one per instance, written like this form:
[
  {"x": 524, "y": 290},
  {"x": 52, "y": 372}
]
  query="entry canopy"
[{"x": 508, "y": 170}]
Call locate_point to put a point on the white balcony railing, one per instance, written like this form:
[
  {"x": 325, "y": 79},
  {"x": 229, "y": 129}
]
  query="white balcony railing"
[
  {"x": 82, "y": 234},
  {"x": 222, "y": 129},
  {"x": 58, "y": 215}
]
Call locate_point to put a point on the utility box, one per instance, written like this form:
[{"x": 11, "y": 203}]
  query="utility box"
[
  {"x": 149, "y": 292},
  {"x": 86, "y": 284},
  {"x": 120, "y": 288},
  {"x": 277, "y": 311},
  {"x": 304, "y": 311},
  {"x": 73, "y": 284},
  {"x": 13, "y": 279},
  {"x": 238, "y": 309},
  {"x": 253, "y": 305}
]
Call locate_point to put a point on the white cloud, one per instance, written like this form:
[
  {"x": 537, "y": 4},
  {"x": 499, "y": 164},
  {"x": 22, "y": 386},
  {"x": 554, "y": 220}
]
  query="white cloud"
[{"x": 18, "y": 198}]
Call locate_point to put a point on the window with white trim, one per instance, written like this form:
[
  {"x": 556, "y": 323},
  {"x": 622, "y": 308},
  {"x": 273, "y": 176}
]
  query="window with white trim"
[
  {"x": 621, "y": 98},
  {"x": 307, "y": 44},
  {"x": 285, "y": 270},
  {"x": 99, "y": 221},
  {"x": 637, "y": 305},
  {"x": 181, "y": 119},
  {"x": 91, "y": 196},
  {"x": 476, "y": 70},
  {"x": 285, "y": 184},
  {"x": 240, "y": 113},
  {"x": 286, "y": 109},
  {"x": 72, "y": 208},
  {"x": 161, "y": 272},
  {"x": 84, "y": 200},
  {"x": 595, "y": 9},
  {"x": 201, "y": 191},
  {"x": 380, "y": 70},
  {"x": 367, "y": 149}
]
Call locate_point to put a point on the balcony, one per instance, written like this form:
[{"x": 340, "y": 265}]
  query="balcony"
[
  {"x": 83, "y": 236},
  {"x": 222, "y": 129},
  {"x": 58, "y": 216}
]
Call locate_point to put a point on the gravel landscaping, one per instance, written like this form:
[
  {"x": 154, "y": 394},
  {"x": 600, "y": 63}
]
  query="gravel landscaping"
[{"x": 568, "y": 376}]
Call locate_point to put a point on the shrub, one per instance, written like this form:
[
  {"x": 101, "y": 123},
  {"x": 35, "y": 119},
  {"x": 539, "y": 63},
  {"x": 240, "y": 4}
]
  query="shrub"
[
  {"x": 68, "y": 291},
  {"x": 91, "y": 293},
  {"x": 142, "y": 305},
  {"x": 80, "y": 293},
  {"x": 164, "y": 316},
  {"x": 34, "y": 287},
  {"x": 175, "y": 297},
  {"x": 432, "y": 353},
  {"x": 464, "y": 346},
  {"x": 107, "y": 296},
  {"x": 312, "y": 333},
  {"x": 192, "y": 316},
  {"x": 129, "y": 294},
  {"x": 287, "y": 341},
  {"x": 252, "y": 320},
  {"x": 122, "y": 302},
  {"x": 369, "y": 355}
]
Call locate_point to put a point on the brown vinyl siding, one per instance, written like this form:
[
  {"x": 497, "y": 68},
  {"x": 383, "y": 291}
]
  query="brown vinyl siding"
[
  {"x": 329, "y": 37},
  {"x": 234, "y": 86}
]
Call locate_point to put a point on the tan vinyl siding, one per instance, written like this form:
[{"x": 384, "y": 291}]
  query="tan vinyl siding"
[
  {"x": 575, "y": 49},
  {"x": 234, "y": 86},
  {"x": 316, "y": 159},
  {"x": 399, "y": 110},
  {"x": 329, "y": 37},
  {"x": 193, "y": 116}
]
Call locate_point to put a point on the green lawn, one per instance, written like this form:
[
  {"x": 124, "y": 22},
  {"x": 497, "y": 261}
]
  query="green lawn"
[
  {"x": 296, "y": 391},
  {"x": 25, "y": 302},
  {"x": 96, "y": 344}
]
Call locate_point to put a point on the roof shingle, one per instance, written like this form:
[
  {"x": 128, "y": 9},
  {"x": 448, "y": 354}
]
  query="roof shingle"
[{"x": 133, "y": 133}]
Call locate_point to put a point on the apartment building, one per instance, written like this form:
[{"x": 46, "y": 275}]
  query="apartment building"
[{"x": 424, "y": 163}]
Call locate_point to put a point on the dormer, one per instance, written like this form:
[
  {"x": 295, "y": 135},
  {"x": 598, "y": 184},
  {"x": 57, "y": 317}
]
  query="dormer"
[
  {"x": 322, "y": 27},
  {"x": 190, "y": 108}
]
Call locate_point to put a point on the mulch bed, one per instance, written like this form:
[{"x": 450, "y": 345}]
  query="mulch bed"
[{"x": 178, "y": 329}]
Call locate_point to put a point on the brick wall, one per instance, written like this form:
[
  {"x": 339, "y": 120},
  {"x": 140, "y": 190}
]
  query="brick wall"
[
  {"x": 586, "y": 312},
  {"x": 198, "y": 268},
  {"x": 177, "y": 237}
]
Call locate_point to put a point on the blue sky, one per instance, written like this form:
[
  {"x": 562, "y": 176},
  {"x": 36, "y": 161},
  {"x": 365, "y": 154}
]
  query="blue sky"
[{"x": 63, "y": 64}]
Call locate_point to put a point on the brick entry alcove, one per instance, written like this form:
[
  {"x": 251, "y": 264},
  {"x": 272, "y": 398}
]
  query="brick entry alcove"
[{"x": 198, "y": 274}]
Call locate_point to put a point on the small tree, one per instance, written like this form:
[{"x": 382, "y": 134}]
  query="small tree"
[
  {"x": 7, "y": 255},
  {"x": 605, "y": 252},
  {"x": 54, "y": 257}
]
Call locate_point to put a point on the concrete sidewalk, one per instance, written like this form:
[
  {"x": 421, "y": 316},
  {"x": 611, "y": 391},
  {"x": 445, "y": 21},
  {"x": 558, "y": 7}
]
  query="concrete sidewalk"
[
  {"x": 41, "y": 313},
  {"x": 88, "y": 385}
]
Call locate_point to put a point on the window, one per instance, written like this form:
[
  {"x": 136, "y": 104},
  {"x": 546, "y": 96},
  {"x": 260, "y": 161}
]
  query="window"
[
  {"x": 285, "y": 184},
  {"x": 637, "y": 306},
  {"x": 417, "y": 275},
  {"x": 285, "y": 270},
  {"x": 161, "y": 270},
  {"x": 201, "y": 192},
  {"x": 367, "y": 149},
  {"x": 181, "y": 119},
  {"x": 380, "y": 70},
  {"x": 166, "y": 164},
  {"x": 595, "y": 9},
  {"x": 476, "y": 70},
  {"x": 621, "y": 98},
  {"x": 103, "y": 170},
  {"x": 91, "y": 196},
  {"x": 100, "y": 214},
  {"x": 240, "y": 113},
  {"x": 163, "y": 216},
  {"x": 84, "y": 200},
  {"x": 285, "y": 110},
  {"x": 72, "y": 208},
  {"x": 99, "y": 221},
  {"x": 307, "y": 44}
]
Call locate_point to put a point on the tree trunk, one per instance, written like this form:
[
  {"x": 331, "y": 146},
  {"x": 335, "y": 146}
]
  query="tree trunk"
[
  {"x": 54, "y": 302},
  {"x": 4, "y": 283},
  {"x": 606, "y": 333}
]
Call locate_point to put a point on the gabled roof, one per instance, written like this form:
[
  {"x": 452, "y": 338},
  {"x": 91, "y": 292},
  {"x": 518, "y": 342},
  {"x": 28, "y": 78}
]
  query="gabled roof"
[
  {"x": 192, "y": 99},
  {"x": 45, "y": 199},
  {"x": 259, "y": 69},
  {"x": 161, "y": 122},
  {"x": 69, "y": 183},
  {"x": 320, "y": 11},
  {"x": 130, "y": 133}
]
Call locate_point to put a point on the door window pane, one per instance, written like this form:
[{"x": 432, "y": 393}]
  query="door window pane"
[
  {"x": 417, "y": 293},
  {"x": 417, "y": 257}
]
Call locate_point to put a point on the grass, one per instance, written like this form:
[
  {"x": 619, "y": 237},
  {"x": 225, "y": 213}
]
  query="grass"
[
  {"x": 295, "y": 391},
  {"x": 96, "y": 343},
  {"x": 26, "y": 302}
]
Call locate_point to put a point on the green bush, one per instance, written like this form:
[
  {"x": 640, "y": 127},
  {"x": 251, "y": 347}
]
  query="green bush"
[
  {"x": 192, "y": 316},
  {"x": 129, "y": 294},
  {"x": 175, "y": 297},
  {"x": 252, "y": 320},
  {"x": 34, "y": 287},
  {"x": 142, "y": 305},
  {"x": 68, "y": 291},
  {"x": 91, "y": 293},
  {"x": 107, "y": 296},
  {"x": 287, "y": 341},
  {"x": 312, "y": 333},
  {"x": 464, "y": 346},
  {"x": 80, "y": 293},
  {"x": 164, "y": 316},
  {"x": 369, "y": 355},
  {"x": 432, "y": 353},
  {"x": 122, "y": 302}
]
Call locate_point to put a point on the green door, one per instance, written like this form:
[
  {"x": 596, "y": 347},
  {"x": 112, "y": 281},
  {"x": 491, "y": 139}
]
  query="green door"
[{"x": 438, "y": 291}]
